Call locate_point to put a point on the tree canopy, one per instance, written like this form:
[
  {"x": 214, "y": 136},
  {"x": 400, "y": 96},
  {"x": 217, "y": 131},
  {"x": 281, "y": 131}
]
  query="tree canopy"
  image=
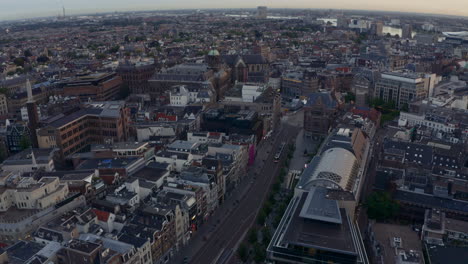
[
  {"x": 42, "y": 59},
  {"x": 380, "y": 206},
  {"x": 25, "y": 142}
]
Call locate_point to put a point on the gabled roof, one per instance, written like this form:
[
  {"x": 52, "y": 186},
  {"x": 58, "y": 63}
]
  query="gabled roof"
[
  {"x": 324, "y": 98},
  {"x": 254, "y": 59}
]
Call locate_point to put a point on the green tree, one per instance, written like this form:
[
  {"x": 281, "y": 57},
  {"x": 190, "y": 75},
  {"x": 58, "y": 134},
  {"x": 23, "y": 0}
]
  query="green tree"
[
  {"x": 261, "y": 218},
  {"x": 252, "y": 237},
  {"x": 266, "y": 236},
  {"x": 100, "y": 56},
  {"x": 405, "y": 107},
  {"x": 277, "y": 220},
  {"x": 267, "y": 208},
  {"x": 140, "y": 38},
  {"x": 243, "y": 252},
  {"x": 114, "y": 49},
  {"x": 42, "y": 59},
  {"x": 25, "y": 142},
  {"x": 258, "y": 34},
  {"x": 271, "y": 198},
  {"x": 27, "y": 53},
  {"x": 350, "y": 97},
  {"x": 154, "y": 44},
  {"x": 380, "y": 206},
  {"x": 259, "y": 253},
  {"x": 19, "y": 62},
  {"x": 276, "y": 186}
]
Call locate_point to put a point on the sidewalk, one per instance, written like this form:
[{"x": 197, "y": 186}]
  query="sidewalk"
[
  {"x": 224, "y": 210},
  {"x": 299, "y": 160}
]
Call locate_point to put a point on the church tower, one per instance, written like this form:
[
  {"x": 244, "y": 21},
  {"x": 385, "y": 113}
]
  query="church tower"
[
  {"x": 32, "y": 115},
  {"x": 213, "y": 58}
]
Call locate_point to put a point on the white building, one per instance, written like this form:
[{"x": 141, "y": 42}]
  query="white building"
[
  {"x": 27, "y": 193},
  {"x": 177, "y": 160},
  {"x": 412, "y": 119},
  {"x": 360, "y": 24},
  {"x": 251, "y": 92},
  {"x": 144, "y": 133},
  {"x": 205, "y": 137},
  {"x": 184, "y": 95}
]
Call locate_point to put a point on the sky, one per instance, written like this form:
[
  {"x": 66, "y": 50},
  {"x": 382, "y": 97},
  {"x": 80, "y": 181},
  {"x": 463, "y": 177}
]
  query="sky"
[{"x": 16, "y": 9}]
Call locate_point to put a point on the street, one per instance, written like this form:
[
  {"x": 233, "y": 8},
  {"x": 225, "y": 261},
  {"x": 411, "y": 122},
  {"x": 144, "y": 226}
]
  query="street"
[{"x": 229, "y": 224}]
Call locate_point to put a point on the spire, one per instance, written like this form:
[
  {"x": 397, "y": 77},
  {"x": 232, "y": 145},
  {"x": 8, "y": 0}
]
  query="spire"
[
  {"x": 29, "y": 91},
  {"x": 33, "y": 158}
]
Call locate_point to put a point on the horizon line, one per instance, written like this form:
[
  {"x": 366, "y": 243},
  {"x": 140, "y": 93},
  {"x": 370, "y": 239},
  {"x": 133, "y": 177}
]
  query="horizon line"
[{"x": 85, "y": 13}]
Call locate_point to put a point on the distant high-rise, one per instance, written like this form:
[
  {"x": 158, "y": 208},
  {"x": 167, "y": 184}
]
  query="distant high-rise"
[
  {"x": 376, "y": 28},
  {"x": 379, "y": 28},
  {"x": 262, "y": 12},
  {"x": 401, "y": 88},
  {"x": 63, "y": 8},
  {"x": 407, "y": 31},
  {"x": 342, "y": 22}
]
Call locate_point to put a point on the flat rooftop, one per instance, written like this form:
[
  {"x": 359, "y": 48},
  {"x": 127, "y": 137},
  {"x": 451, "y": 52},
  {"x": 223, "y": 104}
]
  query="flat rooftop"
[
  {"x": 384, "y": 234},
  {"x": 443, "y": 254},
  {"x": 107, "y": 163},
  {"x": 109, "y": 109},
  {"x": 119, "y": 146},
  {"x": 319, "y": 234},
  {"x": 42, "y": 156},
  {"x": 90, "y": 79}
]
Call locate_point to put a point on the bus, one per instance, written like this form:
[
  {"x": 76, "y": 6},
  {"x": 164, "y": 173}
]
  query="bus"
[{"x": 279, "y": 152}]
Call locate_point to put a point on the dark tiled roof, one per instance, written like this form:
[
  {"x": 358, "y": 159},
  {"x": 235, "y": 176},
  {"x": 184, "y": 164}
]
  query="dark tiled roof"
[
  {"x": 431, "y": 201},
  {"x": 149, "y": 174},
  {"x": 23, "y": 251},
  {"x": 133, "y": 240},
  {"x": 324, "y": 98},
  {"x": 230, "y": 59},
  {"x": 254, "y": 59}
]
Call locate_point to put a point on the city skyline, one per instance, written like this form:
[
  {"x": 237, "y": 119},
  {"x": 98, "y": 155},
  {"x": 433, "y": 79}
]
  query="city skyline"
[{"x": 22, "y": 9}]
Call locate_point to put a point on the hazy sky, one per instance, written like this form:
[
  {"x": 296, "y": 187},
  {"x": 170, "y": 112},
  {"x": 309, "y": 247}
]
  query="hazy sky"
[{"x": 10, "y": 9}]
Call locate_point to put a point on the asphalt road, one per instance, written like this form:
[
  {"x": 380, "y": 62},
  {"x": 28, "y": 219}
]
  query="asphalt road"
[{"x": 217, "y": 240}]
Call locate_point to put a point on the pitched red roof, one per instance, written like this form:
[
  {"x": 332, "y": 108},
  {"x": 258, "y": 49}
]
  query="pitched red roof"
[{"x": 102, "y": 215}]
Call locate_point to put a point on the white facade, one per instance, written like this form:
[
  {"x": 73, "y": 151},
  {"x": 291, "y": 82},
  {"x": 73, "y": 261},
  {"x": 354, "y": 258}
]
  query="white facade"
[
  {"x": 135, "y": 187},
  {"x": 177, "y": 163},
  {"x": 185, "y": 97},
  {"x": 337, "y": 167},
  {"x": 205, "y": 137},
  {"x": 360, "y": 24},
  {"x": 24, "y": 113},
  {"x": 143, "y": 134},
  {"x": 31, "y": 194},
  {"x": 250, "y": 93},
  {"x": 415, "y": 119}
]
